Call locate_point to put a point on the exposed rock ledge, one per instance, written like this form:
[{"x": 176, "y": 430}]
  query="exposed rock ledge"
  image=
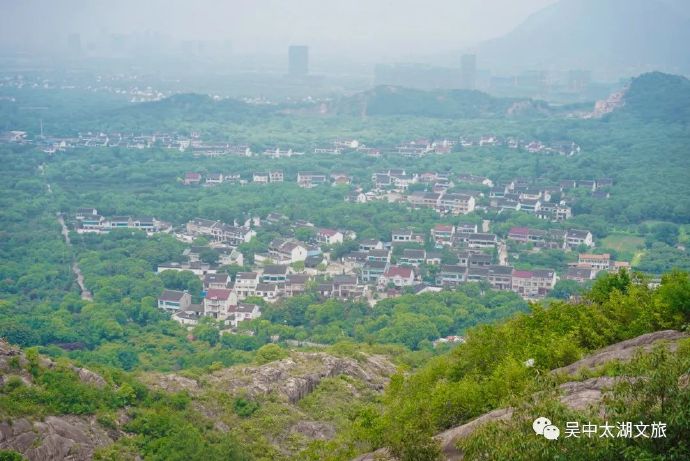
[
  {"x": 577, "y": 395},
  {"x": 293, "y": 378},
  {"x": 63, "y": 438}
]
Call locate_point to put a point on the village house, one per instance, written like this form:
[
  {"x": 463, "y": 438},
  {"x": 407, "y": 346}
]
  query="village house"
[
  {"x": 567, "y": 184},
  {"x": 90, "y": 223},
  {"x": 242, "y": 312},
  {"x": 192, "y": 179},
  {"x": 217, "y": 302},
  {"x": 383, "y": 255},
  {"x": 476, "y": 180},
  {"x": 595, "y": 262},
  {"x": 342, "y": 286},
  {"x": 481, "y": 240},
  {"x": 372, "y": 270},
  {"x": 172, "y": 300},
  {"x": 197, "y": 268},
  {"x": 287, "y": 251},
  {"x": 261, "y": 177},
  {"x": 308, "y": 179},
  {"x": 188, "y": 317},
  {"x": 401, "y": 181},
  {"x": 588, "y": 184},
  {"x": 576, "y": 237},
  {"x": 340, "y": 179},
  {"x": 370, "y": 244},
  {"x": 479, "y": 260},
  {"x": 296, "y": 284},
  {"x": 214, "y": 178},
  {"x": 554, "y": 212},
  {"x": 533, "y": 284},
  {"x": 442, "y": 234},
  {"x": 381, "y": 180},
  {"x": 424, "y": 199},
  {"x": 356, "y": 197},
  {"x": 200, "y": 226},
  {"x": 268, "y": 291},
  {"x": 399, "y": 276},
  {"x": 275, "y": 274},
  {"x": 329, "y": 236},
  {"x": 530, "y": 205},
  {"x": 466, "y": 228},
  {"x": 580, "y": 274},
  {"x": 451, "y": 274},
  {"x": 433, "y": 258},
  {"x": 231, "y": 257},
  {"x": 500, "y": 277},
  {"x": 85, "y": 213},
  {"x": 220, "y": 232},
  {"x": 504, "y": 204},
  {"x": 216, "y": 281},
  {"x": 246, "y": 283},
  {"x": 406, "y": 236},
  {"x": 412, "y": 257},
  {"x": 276, "y": 176},
  {"x": 604, "y": 182},
  {"x": 456, "y": 204}
]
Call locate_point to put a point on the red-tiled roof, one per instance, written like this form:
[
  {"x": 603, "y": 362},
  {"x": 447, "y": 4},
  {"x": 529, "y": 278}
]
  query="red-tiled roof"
[
  {"x": 218, "y": 294},
  {"x": 399, "y": 271},
  {"x": 519, "y": 231}
]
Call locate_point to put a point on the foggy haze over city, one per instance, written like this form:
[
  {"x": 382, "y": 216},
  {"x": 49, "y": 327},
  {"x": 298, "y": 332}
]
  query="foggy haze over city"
[{"x": 363, "y": 30}]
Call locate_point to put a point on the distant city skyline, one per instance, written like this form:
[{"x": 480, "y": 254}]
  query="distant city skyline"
[{"x": 369, "y": 30}]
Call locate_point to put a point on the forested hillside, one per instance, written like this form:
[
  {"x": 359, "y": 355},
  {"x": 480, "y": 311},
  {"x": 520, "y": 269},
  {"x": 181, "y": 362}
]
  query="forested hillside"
[{"x": 315, "y": 375}]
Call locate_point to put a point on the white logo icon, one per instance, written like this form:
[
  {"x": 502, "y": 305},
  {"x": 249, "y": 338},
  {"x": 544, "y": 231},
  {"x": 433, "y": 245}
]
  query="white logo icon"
[
  {"x": 539, "y": 424},
  {"x": 543, "y": 426},
  {"x": 551, "y": 432}
]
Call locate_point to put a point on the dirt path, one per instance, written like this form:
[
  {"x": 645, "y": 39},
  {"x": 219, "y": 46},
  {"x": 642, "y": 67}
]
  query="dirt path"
[
  {"x": 85, "y": 294},
  {"x": 502, "y": 254}
]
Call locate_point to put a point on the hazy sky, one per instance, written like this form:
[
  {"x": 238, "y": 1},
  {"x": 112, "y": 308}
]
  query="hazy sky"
[{"x": 366, "y": 28}]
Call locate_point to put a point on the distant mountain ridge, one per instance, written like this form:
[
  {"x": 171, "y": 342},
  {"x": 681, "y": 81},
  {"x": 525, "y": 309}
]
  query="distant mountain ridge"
[
  {"x": 393, "y": 100},
  {"x": 600, "y": 35},
  {"x": 653, "y": 96}
]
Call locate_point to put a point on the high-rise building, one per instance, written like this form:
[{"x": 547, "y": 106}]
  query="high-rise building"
[
  {"x": 298, "y": 60},
  {"x": 579, "y": 80},
  {"x": 468, "y": 71}
]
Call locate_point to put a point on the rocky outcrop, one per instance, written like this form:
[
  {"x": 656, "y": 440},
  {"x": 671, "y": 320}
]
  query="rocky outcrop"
[
  {"x": 624, "y": 351},
  {"x": 71, "y": 438},
  {"x": 297, "y": 376},
  {"x": 292, "y": 378},
  {"x": 63, "y": 438},
  {"x": 577, "y": 395},
  {"x": 13, "y": 362},
  {"x": 315, "y": 430}
]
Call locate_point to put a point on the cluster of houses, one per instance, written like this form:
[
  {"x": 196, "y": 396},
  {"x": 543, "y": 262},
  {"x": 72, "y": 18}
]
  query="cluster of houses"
[
  {"x": 589, "y": 265},
  {"x": 88, "y": 220},
  {"x": 374, "y": 270},
  {"x": 198, "y": 147},
  {"x": 305, "y": 179},
  {"x": 422, "y": 147},
  {"x": 464, "y": 193}
]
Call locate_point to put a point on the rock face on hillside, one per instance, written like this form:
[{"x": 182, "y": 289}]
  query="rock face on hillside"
[
  {"x": 69, "y": 438},
  {"x": 624, "y": 350},
  {"x": 291, "y": 378},
  {"x": 577, "y": 395}
]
